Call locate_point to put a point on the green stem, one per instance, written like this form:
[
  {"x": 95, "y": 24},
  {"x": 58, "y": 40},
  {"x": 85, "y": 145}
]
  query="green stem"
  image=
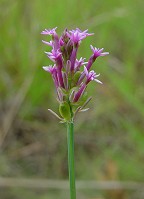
[{"x": 70, "y": 137}]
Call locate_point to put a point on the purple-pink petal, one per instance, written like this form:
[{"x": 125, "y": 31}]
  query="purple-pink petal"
[
  {"x": 48, "y": 43},
  {"x": 98, "y": 81},
  {"x": 48, "y": 31},
  {"x": 48, "y": 69}
]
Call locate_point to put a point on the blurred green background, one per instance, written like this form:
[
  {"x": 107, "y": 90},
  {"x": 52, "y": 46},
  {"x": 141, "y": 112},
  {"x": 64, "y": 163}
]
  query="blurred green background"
[{"x": 109, "y": 139}]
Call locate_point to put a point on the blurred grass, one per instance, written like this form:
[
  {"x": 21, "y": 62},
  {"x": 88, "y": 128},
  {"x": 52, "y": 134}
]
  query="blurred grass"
[{"x": 109, "y": 140}]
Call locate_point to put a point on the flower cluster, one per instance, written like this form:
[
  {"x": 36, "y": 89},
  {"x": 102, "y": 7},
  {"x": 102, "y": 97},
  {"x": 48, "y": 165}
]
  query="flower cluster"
[{"x": 70, "y": 75}]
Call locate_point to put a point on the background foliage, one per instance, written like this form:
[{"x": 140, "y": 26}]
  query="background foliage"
[{"x": 109, "y": 138}]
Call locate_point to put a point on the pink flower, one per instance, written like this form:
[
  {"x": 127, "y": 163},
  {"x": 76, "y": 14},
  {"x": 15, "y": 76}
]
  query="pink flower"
[
  {"x": 53, "y": 55},
  {"x": 52, "y": 32},
  {"x": 79, "y": 63},
  {"x": 49, "y": 31},
  {"x": 98, "y": 52},
  {"x": 77, "y": 35},
  {"x": 91, "y": 76}
]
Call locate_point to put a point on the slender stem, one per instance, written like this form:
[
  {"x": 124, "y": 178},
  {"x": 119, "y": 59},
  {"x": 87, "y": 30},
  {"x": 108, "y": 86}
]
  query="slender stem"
[{"x": 70, "y": 137}]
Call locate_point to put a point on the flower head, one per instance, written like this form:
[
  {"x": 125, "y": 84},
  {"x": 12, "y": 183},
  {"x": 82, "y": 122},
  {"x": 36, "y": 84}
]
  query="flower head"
[
  {"x": 70, "y": 79},
  {"x": 79, "y": 63},
  {"x": 53, "y": 55},
  {"x": 98, "y": 52},
  {"x": 77, "y": 35},
  {"x": 91, "y": 76}
]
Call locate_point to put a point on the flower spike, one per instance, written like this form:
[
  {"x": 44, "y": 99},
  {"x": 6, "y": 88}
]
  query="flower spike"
[{"x": 69, "y": 77}]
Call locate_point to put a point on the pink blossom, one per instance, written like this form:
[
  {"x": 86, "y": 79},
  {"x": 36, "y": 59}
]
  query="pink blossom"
[
  {"x": 77, "y": 35},
  {"x": 98, "y": 52},
  {"x": 49, "y": 31},
  {"x": 53, "y": 55},
  {"x": 79, "y": 63},
  {"x": 91, "y": 76}
]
